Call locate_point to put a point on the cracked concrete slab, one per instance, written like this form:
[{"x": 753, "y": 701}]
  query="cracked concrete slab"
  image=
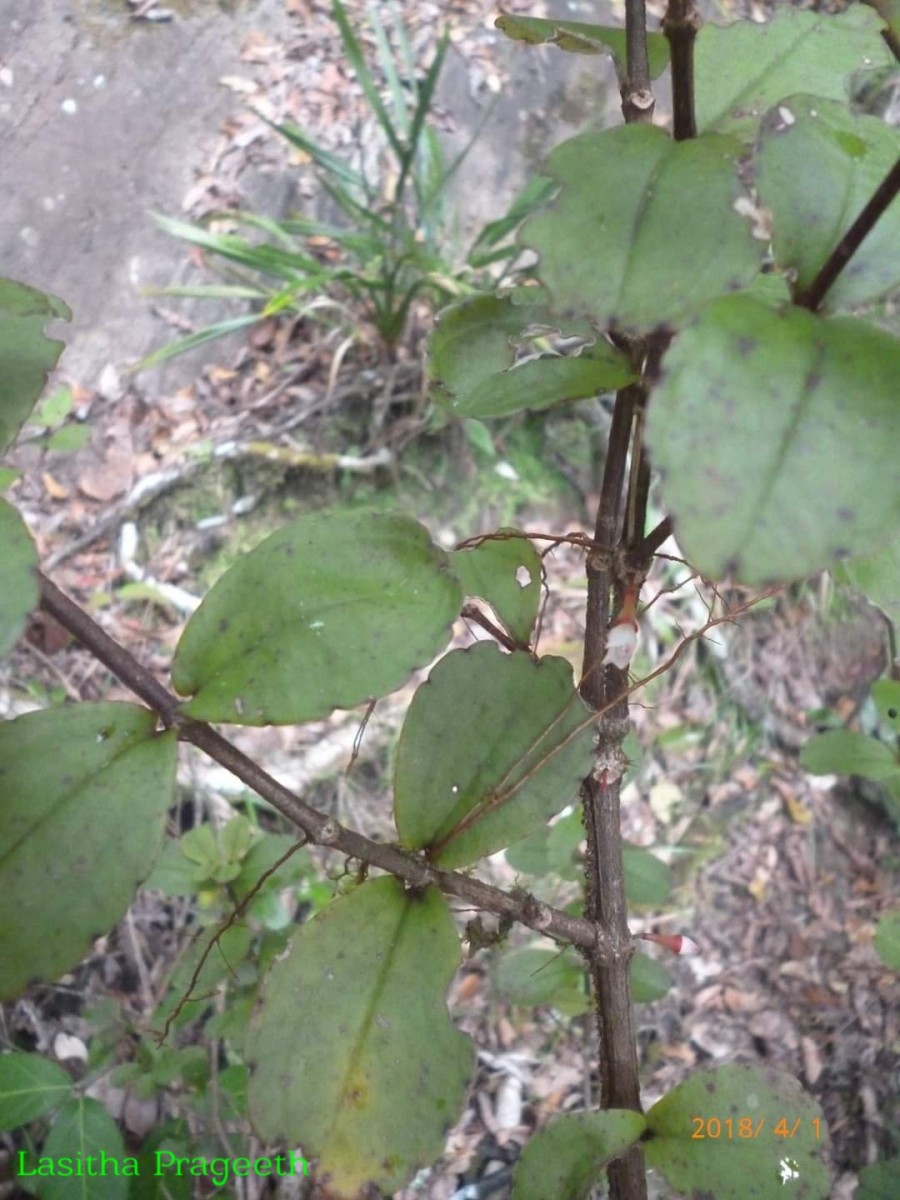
[{"x": 103, "y": 119}]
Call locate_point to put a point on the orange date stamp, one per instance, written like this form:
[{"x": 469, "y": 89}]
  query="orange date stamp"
[{"x": 716, "y": 1128}]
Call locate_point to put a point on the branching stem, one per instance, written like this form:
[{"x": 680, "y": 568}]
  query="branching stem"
[{"x": 812, "y": 296}]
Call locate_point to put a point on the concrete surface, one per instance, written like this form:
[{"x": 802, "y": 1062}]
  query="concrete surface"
[{"x": 103, "y": 119}]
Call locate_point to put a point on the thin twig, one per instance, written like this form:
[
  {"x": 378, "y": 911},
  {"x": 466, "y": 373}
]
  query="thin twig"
[
  {"x": 471, "y": 612},
  {"x": 320, "y": 829},
  {"x": 637, "y": 98},
  {"x": 812, "y": 296}
]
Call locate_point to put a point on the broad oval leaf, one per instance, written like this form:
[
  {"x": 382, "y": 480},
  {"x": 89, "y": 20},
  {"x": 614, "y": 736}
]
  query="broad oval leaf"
[
  {"x": 649, "y": 979},
  {"x": 648, "y": 880},
  {"x": 506, "y": 572},
  {"x": 326, "y": 612},
  {"x": 30, "y": 1085},
  {"x": 877, "y": 576},
  {"x": 85, "y": 791},
  {"x": 564, "y": 1160},
  {"x": 846, "y": 752},
  {"x": 578, "y": 37},
  {"x": 18, "y": 583},
  {"x": 532, "y": 975},
  {"x": 879, "y": 1180},
  {"x": 795, "y": 52},
  {"x": 472, "y": 359},
  {"x": 886, "y": 697},
  {"x": 646, "y": 267},
  {"x": 775, "y": 435},
  {"x": 351, "y": 1052},
  {"x": 26, "y": 355},
  {"x": 83, "y": 1129},
  {"x": 818, "y": 167},
  {"x": 493, "y": 745},
  {"x": 769, "y": 1134}
]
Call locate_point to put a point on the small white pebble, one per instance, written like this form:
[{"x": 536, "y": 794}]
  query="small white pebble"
[{"x": 69, "y": 107}]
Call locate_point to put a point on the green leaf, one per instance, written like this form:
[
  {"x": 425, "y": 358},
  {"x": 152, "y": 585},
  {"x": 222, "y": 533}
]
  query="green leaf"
[
  {"x": 619, "y": 191},
  {"x": 54, "y": 409},
  {"x": 768, "y": 429},
  {"x": 564, "y": 1160},
  {"x": 879, "y": 1180},
  {"x": 85, "y": 792},
  {"x": 18, "y": 582},
  {"x": 173, "y": 874},
  {"x": 493, "y": 745},
  {"x": 221, "y": 964},
  {"x": 551, "y": 849},
  {"x": 648, "y": 881},
  {"x": 82, "y": 1130},
  {"x": 649, "y": 980},
  {"x": 887, "y": 939},
  {"x": 262, "y": 857},
  {"x": 472, "y": 359},
  {"x": 372, "y": 970},
  {"x": 200, "y": 338},
  {"x": 794, "y": 52},
  {"x": 877, "y": 576},
  {"x": 26, "y": 355},
  {"x": 818, "y": 167},
  {"x": 328, "y": 611},
  {"x": 846, "y": 752},
  {"x": 30, "y": 1085},
  {"x": 532, "y": 975},
  {"x": 886, "y": 695},
  {"x": 70, "y": 437},
  {"x": 577, "y": 37},
  {"x": 506, "y": 572},
  {"x": 738, "y": 1165}
]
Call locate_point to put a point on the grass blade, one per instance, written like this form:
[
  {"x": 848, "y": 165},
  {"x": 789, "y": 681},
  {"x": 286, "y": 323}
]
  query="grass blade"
[
  {"x": 388, "y": 65},
  {"x": 182, "y": 345},
  {"x": 357, "y": 61}
]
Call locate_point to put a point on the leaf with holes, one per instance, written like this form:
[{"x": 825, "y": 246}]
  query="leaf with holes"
[
  {"x": 506, "y": 572},
  {"x": 818, "y": 165},
  {"x": 328, "y": 611},
  {"x": 795, "y": 52},
  {"x": 493, "y": 745},
  {"x": 578, "y": 37},
  {"x": 768, "y": 429},
  {"x": 618, "y": 191},
  {"x": 85, "y": 792},
  {"x": 352, "y": 1054},
  {"x": 472, "y": 357},
  {"x": 26, "y": 355},
  {"x": 739, "y": 1133}
]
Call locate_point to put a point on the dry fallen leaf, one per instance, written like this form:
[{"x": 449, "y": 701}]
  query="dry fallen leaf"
[
  {"x": 108, "y": 479},
  {"x": 54, "y": 489}
]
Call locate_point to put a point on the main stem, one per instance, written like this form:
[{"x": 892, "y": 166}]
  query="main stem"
[{"x": 606, "y": 905}]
